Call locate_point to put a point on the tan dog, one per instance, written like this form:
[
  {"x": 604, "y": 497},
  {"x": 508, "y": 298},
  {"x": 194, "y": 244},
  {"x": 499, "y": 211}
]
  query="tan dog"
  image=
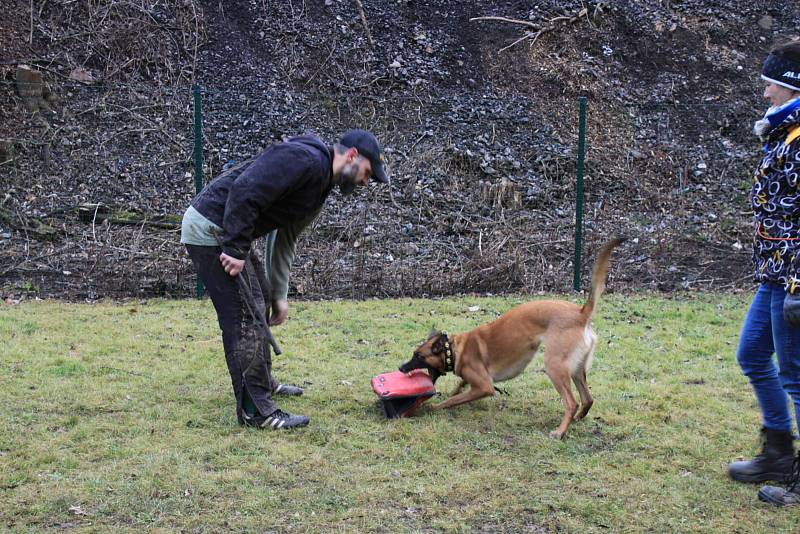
[{"x": 501, "y": 349}]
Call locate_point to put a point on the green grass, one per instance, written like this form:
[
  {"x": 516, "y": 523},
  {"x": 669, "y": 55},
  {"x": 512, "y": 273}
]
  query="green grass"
[{"x": 125, "y": 411}]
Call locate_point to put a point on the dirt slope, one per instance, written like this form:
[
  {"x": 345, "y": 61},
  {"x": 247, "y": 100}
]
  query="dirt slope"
[{"x": 481, "y": 135}]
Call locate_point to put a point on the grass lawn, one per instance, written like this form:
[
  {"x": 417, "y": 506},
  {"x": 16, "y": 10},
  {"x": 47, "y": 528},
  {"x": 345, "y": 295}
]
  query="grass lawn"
[{"x": 119, "y": 417}]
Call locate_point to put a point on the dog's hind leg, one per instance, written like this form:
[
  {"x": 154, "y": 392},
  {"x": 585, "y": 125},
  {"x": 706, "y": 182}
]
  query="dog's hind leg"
[
  {"x": 560, "y": 376},
  {"x": 583, "y": 389},
  {"x": 579, "y": 375}
]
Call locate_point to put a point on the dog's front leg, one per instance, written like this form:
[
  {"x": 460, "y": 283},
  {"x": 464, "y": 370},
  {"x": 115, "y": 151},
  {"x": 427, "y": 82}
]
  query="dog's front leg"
[
  {"x": 480, "y": 385},
  {"x": 459, "y": 387}
]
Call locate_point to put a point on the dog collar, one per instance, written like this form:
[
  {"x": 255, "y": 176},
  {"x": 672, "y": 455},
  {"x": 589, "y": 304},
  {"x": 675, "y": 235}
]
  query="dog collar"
[{"x": 448, "y": 355}]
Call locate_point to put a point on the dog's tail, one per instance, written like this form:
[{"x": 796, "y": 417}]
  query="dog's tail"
[{"x": 599, "y": 275}]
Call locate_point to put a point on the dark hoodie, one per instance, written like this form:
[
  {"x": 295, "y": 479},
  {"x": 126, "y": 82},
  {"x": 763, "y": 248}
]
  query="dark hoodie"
[{"x": 283, "y": 185}]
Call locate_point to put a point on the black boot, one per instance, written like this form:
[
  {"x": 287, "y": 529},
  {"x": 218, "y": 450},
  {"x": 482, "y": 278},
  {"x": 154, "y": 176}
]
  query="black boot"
[
  {"x": 788, "y": 496},
  {"x": 774, "y": 462}
]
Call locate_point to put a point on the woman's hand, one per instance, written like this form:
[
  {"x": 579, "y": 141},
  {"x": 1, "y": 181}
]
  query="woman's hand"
[{"x": 791, "y": 308}]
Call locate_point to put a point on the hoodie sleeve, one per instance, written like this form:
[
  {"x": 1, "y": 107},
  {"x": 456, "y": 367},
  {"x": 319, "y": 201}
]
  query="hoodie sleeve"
[
  {"x": 283, "y": 255},
  {"x": 275, "y": 172}
]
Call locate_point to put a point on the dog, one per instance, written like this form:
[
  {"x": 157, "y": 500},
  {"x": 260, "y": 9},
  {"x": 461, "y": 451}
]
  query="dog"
[{"x": 501, "y": 349}]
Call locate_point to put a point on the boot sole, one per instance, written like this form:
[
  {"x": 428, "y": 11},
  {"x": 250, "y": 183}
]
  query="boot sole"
[{"x": 761, "y": 477}]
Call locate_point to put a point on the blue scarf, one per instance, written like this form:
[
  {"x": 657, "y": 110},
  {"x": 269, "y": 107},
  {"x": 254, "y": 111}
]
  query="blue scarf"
[
  {"x": 778, "y": 115},
  {"x": 775, "y": 116}
]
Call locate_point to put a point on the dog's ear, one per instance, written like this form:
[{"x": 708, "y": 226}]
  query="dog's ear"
[
  {"x": 438, "y": 345},
  {"x": 434, "y": 332}
]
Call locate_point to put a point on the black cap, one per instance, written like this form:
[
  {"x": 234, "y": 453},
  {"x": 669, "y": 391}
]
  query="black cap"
[{"x": 368, "y": 146}]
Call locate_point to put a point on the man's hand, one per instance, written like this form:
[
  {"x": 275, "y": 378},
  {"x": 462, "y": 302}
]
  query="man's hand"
[
  {"x": 231, "y": 265},
  {"x": 791, "y": 308},
  {"x": 280, "y": 311}
]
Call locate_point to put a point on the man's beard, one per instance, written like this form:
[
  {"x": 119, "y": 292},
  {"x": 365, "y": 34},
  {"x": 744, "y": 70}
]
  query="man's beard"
[{"x": 347, "y": 179}]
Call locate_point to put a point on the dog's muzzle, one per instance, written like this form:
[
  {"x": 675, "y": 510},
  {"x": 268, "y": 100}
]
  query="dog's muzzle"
[
  {"x": 418, "y": 363},
  {"x": 407, "y": 368},
  {"x": 414, "y": 363}
]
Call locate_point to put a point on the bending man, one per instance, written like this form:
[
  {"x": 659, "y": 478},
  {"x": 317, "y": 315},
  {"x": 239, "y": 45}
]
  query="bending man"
[{"x": 279, "y": 192}]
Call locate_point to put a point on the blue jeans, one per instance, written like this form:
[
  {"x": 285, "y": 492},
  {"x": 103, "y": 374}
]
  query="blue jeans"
[{"x": 765, "y": 334}]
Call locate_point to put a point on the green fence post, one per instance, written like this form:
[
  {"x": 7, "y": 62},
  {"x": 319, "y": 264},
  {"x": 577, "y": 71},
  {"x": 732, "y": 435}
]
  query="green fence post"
[
  {"x": 198, "y": 159},
  {"x": 579, "y": 194}
]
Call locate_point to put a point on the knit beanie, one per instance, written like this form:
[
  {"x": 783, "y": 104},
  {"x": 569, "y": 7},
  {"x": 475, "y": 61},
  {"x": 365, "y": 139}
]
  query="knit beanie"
[{"x": 782, "y": 70}]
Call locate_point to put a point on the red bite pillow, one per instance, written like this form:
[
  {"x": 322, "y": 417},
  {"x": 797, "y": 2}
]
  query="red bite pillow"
[{"x": 400, "y": 394}]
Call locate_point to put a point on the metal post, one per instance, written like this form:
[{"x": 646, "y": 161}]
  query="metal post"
[
  {"x": 198, "y": 159},
  {"x": 579, "y": 194}
]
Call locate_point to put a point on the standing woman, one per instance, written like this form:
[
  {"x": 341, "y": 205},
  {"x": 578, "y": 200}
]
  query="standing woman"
[{"x": 772, "y": 324}]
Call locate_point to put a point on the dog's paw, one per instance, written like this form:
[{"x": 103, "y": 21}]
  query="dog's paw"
[
  {"x": 582, "y": 412},
  {"x": 555, "y": 434}
]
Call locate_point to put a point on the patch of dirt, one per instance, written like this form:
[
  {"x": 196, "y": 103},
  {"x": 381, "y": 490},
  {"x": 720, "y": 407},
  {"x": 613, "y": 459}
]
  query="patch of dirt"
[{"x": 479, "y": 120}]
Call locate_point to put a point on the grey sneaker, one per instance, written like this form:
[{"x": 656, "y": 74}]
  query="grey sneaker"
[
  {"x": 276, "y": 420},
  {"x": 288, "y": 389}
]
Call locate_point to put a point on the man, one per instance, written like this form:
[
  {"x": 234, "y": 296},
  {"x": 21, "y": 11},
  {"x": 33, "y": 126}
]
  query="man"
[{"x": 279, "y": 192}]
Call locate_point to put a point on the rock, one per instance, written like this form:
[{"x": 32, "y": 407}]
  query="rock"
[
  {"x": 81, "y": 75},
  {"x": 765, "y": 22},
  {"x": 7, "y": 151},
  {"x": 410, "y": 249},
  {"x": 31, "y": 87}
]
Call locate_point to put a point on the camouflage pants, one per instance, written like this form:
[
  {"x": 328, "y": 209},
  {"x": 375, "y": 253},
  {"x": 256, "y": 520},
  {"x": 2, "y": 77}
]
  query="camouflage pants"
[{"x": 247, "y": 351}]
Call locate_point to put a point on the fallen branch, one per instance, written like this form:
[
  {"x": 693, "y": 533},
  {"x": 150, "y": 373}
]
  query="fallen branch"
[
  {"x": 551, "y": 25},
  {"x": 27, "y": 224},
  {"x": 506, "y": 19},
  {"x": 364, "y": 22},
  {"x": 95, "y": 213}
]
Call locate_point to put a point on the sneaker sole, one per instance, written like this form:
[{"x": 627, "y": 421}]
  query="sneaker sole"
[
  {"x": 284, "y": 427},
  {"x": 279, "y": 424},
  {"x": 287, "y": 392}
]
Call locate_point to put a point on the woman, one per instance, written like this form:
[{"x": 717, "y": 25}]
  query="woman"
[{"x": 772, "y": 324}]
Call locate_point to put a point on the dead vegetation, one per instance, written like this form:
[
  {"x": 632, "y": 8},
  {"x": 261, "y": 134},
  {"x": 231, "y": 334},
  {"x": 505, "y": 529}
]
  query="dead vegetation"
[
  {"x": 156, "y": 41},
  {"x": 480, "y": 132},
  {"x": 548, "y": 24}
]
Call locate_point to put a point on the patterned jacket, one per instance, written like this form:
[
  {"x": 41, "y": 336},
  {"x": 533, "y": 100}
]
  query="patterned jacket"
[{"x": 775, "y": 199}]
